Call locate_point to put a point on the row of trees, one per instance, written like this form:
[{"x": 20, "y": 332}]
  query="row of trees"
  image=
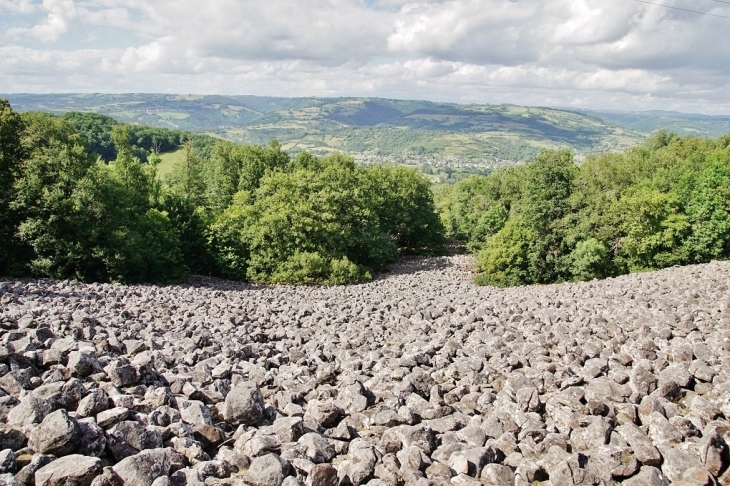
[
  {"x": 97, "y": 129},
  {"x": 665, "y": 203},
  {"x": 243, "y": 212}
]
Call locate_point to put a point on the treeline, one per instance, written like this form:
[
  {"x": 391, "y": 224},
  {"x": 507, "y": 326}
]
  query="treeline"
[
  {"x": 665, "y": 203},
  {"x": 243, "y": 212},
  {"x": 96, "y": 131}
]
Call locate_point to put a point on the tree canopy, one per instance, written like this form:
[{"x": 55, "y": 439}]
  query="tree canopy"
[{"x": 78, "y": 201}]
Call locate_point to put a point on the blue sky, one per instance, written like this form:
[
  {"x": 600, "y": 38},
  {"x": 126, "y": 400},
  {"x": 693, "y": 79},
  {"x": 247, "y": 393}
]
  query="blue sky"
[{"x": 609, "y": 54}]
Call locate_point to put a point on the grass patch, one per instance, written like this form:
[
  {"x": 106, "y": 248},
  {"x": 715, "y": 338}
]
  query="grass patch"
[{"x": 168, "y": 162}]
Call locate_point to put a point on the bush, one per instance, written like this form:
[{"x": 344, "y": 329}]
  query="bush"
[
  {"x": 505, "y": 258},
  {"x": 589, "y": 260}
]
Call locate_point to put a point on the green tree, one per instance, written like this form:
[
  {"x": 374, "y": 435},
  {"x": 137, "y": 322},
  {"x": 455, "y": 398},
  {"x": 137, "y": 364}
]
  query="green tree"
[
  {"x": 708, "y": 212},
  {"x": 653, "y": 228},
  {"x": 402, "y": 201},
  {"x": 12, "y": 253},
  {"x": 589, "y": 260},
  {"x": 505, "y": 260},
  {"x": 187, "y": 179},
  {"x": 545, "y": 202}
]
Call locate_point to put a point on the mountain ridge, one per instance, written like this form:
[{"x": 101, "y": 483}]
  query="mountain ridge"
[{"x": 377, "y": 129}]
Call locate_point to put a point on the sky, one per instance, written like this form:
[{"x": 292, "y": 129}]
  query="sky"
[{"x": 600, "y": 54}]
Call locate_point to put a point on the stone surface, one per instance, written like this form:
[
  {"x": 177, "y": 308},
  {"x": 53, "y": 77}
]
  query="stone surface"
[
  {"x": 417, "y": 377},
  {"x": 143, "y": 468},
  {"x": 268, "y": 470},
  {"x": 244, "y": 403},
  {"x": 74, "y": 470},
  {"x": 58, "y": 434}
]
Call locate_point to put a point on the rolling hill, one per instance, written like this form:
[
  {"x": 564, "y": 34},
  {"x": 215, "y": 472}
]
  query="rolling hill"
[{"x": 376, "y": 129}]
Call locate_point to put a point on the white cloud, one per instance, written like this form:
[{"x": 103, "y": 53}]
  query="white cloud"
[
  {"x": 62, "y": 17},
  {"x": 618, "y": 54},
  {"x": 17, "y": 6}
]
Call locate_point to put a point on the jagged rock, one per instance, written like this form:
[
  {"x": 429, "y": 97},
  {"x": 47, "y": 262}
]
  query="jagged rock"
[
  {"x": 107, "y": 418},
  {"x": 58, "y": 434},
  {"x": 647, "y": 476},
  {"x": 92, "y": 440},
  {"x": 317, "y": 447},
  {"x": 194, "y": 412},
  {"x": 497, "y": 475},
  {"x": 643, "y": 448},
  {"x": 244, "y": 404},
  {"x": 322, "y": 475},
  {"x": 30, "y": 410},
  {"x": 359, "y": 465},
  {"x": 268, "y": 470},
  {"x": 27, "y": 473},
  {"x": 143, "y": 468},
  {"x": 92, "y": 404},
  {"x": 127, "y": 438},
  {"x": 74, "y": 469},
  {"x": 121, "y": 372},
  {"x": 7, "y": 461},
  {"x": 108, "y": 478},
  {"x": 9, "y": 480}
]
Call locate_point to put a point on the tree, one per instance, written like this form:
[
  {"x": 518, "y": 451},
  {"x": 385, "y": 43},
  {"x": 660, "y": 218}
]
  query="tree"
[
  {"x": 653, "y": 228},
  {"x": 402, "y": 201},
  {"x": 187, "y": 179},
  {"x": 505, "y": 259},
  {"x": 545, "y": 202},
  {"x": 11, "y": 156}
]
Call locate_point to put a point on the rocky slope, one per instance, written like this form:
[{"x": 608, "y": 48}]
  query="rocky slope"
[{"x": 418, "y": 377}]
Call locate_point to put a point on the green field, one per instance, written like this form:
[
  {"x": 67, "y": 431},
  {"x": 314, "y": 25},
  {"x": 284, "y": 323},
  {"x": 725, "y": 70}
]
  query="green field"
[{"x": 169, "y": 160}]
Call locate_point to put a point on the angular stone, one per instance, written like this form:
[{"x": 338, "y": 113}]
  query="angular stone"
[
  {"x": 27, "y": 473},
  {"x": 608, "y": 462},
  {"x": 58, "y": 434},
  {"x": 7, "y": 461},
  {"x": 497, "y": 475},
  {"x": 107, "y": 418},
  {"x": 714, "y": 452},
  {"x": 121, "y": 373},
  {"x": 318, "y": 448},
  {"x": 30, "y": 410},
  {"x": 73, "y": 469},
  {"x": 322, "y": 475},
  {"x": 647, "y": 476},
  {"x": 676, "y": 461},
  {"x": 643, "y": 448},
  {"x": 95, "y": 402},
  {"x": 194, "y": 412},
  {"x": 143, "y": 468},
  {"x": 244, "y": 404},
  {"x": 359, "y": 465},
  {"x": 268, "y": 470}
]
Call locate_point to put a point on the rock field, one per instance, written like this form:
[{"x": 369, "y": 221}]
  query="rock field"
[{"x": 417, "y": 378}]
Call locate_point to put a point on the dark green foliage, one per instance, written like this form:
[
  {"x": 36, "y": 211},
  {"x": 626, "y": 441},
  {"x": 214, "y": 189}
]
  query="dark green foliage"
[
  {"x": 190, "y": 224},
  {"x": 403, "y": 204},
  {"x": 12, "y": 251},
  {"x": 97, "y": 129},
  {"x": 87, "y": 221},
  {"x": 243, "y": 212},
  {"x": 323, "y": 220},
  {"x": 665, "y": 203}
]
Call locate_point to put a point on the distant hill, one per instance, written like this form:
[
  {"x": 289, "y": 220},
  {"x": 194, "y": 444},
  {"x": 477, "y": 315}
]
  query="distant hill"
[
  {"x": 680, "y": 123},
  {"x": 382, "y": 129}
]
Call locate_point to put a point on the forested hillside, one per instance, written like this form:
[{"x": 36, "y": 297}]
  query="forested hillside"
[
  {"x": 665, "y": 203},
  {"x": 372, "y": 129},
  {"x": 70, "y": 210}
]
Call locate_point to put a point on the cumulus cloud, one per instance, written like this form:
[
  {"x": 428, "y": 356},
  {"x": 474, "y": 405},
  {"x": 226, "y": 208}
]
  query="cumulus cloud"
[
  {"x": 592, "y": 53},
  {"x": 62, "y": 17}
]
